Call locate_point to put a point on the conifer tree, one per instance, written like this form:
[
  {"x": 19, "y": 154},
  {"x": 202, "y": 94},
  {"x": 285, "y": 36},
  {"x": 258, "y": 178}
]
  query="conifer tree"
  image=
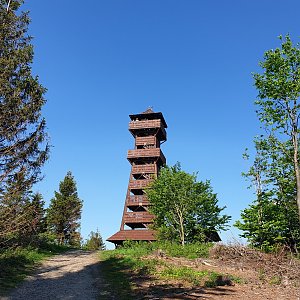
[
  {"x": 23, "y": 145},
  {"x": 64, "y": 212},
  {"x": 95, "y": 241},
  {"x": 21, "y": 216},
  {"x": 13, "y": 214},
  {"x": 36, "y": 216}
]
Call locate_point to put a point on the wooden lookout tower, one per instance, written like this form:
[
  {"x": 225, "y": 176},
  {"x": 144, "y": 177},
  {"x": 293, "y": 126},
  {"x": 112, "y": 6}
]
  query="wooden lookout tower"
[{"x": 148, "y": 130}]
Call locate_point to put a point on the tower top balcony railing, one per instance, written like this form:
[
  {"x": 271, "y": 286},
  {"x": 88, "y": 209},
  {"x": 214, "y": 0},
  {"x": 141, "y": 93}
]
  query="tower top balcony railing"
[
  {"x": 145, "y": 124},
  {"x": 138, "y": 126}
]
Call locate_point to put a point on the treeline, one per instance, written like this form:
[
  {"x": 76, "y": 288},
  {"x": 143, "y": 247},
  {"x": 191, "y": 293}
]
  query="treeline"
[
  {"x": 24, "y": 220},
  {"x": 24, "y": 148},
  {"x": 24, "y": 144},
  {"x": 186, "y": 210}
]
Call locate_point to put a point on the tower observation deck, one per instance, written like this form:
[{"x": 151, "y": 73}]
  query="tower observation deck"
[{"x": 149, "y": 131}]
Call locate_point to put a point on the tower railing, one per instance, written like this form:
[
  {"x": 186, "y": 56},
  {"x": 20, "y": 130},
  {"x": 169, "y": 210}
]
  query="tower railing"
[
  {"x": 140, "y": 169},
  {"x": 138, "y": 217},
  {"x": 137, "y": 199},
  {"x": 139, "y": 184},
  {"x": 147, "y": 124},
  {"x": 145, "y": 153}
]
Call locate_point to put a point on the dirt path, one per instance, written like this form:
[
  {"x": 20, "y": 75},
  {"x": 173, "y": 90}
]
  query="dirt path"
[{"x": 72, "y": 275}]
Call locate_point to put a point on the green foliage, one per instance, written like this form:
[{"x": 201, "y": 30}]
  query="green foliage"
[
  {"x": 275, "y": 280},
  {"x": 191, "y": 250},
  {"x": 274, "y": 216},
  {"x": 16, "y": 264},
  {"x": 23, "y": 140},
  {"x": 279, "y": 85},
  {"x": 94, "y": 242},
  {"x": 278, "y": 101},
  {"x": 217, "y": 279},
  {"x": 64, "y": 213},
  {"x": 268, "y": 223},
  {"x": 185, "y": 210},
  {"x": 21, "y": 219},
  {"x": 183, "y": 273},
  {"x": 115, "y": 272},
  {"x": 121, "y": 266},
  {"x": 136, "y": 249}
]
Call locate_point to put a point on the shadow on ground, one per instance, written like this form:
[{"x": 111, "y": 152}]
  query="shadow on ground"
[
  {"x": 125, "y": 284},
  {"x": 13, "y": 269},
  {"x": 56, "y": 283},
  {"x": 113, "y": 279}
]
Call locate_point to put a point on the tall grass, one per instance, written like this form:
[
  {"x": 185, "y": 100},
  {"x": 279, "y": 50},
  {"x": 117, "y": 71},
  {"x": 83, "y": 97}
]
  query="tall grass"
[{"x": 192, "y": 251}]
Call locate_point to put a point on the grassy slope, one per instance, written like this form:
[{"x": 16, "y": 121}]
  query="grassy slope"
[
  {"x": 124, "y": 268},
  {"x": 16, "y": 264}
]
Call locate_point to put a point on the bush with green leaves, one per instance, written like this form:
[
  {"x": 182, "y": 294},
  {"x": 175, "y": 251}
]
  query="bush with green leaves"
[{"x": 186, "y": 210}]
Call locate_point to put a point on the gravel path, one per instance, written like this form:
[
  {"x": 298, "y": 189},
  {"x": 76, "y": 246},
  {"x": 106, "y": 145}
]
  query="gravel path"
[{"x": 72, "y": 275}]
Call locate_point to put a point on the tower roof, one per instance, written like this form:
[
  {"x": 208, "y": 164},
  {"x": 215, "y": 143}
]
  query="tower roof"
[
  {"x": 149, "y": 110},
  {"x": 149, "y": 114}
]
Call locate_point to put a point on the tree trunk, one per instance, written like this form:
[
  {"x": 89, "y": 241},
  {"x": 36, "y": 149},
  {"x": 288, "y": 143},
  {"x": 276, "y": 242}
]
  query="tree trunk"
[
  {"x": 182, "y": 233},
  {"x": 297, "y": 173},
  {"x": 181, "y": 230},
  {"x": 296, "y": 167}
]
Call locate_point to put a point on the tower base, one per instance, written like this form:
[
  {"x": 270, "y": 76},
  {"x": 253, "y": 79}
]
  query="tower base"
[{"x": 133, "y": 235}]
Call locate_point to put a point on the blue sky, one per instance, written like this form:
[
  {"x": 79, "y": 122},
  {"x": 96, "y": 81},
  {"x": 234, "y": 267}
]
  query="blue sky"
[{"x": 192, "y": 60}]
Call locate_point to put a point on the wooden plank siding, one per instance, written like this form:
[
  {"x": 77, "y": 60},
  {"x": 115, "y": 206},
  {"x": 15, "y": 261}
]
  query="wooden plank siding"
[
  {"x": 137, "y": 153},
  {"x": 146, "y": 153},
  {"x": 135, "y": 235},
  {"x": 145, "y": 140},
  {"x": 147, "y": 124},
  {"x": 139, "y": 184},
  {"x": 133, "y": 200},
  {"x": 138, "y": 217},
  {"x": 143, "y": 169},
  {"x": 148, "y": 130}
]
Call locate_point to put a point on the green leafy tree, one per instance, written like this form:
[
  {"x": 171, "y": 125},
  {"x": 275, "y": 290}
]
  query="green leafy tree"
[
  {"x": 64, "y": 212},
  {"x": 23, "y": 140},
  {"x": 278, "y": 106},
  {"x": 95, "y": 241},
  {"x": 273, "y": 217},
  {"x": 185, "y": 210}
]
